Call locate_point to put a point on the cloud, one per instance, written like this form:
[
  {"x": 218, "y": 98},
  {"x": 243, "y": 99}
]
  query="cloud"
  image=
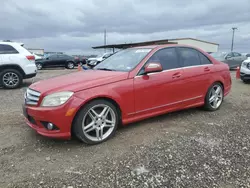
[{"x": 76, "y": 25}]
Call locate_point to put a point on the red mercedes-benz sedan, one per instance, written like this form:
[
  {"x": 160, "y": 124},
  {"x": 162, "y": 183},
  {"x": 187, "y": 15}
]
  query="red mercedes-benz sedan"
[{"x": 131, "y": 85}]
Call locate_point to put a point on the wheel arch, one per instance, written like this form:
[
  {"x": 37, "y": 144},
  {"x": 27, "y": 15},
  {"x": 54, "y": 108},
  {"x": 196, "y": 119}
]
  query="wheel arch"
[
  {"x": 220, "y": 82},
  {"x": 12, "y": 66},
  {"x": 109, "y": 99}
]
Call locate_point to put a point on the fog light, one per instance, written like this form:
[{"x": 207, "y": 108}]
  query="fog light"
[{"x": 50, "y": 126}]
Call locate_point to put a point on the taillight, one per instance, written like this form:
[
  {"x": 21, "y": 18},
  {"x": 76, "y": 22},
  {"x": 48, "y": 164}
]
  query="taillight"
[{"x": 30, "y": 57}]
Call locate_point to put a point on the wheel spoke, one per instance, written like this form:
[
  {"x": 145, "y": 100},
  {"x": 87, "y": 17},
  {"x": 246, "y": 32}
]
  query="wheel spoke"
[
  {"x": 218, "y": 90},
  {"x": 89, "y": 127},
  {"x": 94, "y": 112},
  {"x": 97, "y": 133},
  {"x": 105, "y": 112},
  {"x": 101, "y": 133},
  {"x": 109, "y": 123},
  {"x": 212, "y": 99}
]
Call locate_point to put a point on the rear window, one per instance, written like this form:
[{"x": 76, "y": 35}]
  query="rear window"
[{"x": 7, "y": 49}]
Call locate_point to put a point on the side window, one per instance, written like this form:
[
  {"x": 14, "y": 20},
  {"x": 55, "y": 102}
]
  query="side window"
[
  {"x": 236, "y": 54},
  {"x": 7, "y": 49},
  {"x": 53, "y": 57},
  {"x": 229, "y": 55},
  {"x": 166, "y": 57},
  {"x": 204, "y": 59},
  {"x": 62, "y": 56},
  {"x": 189, "y": 57}
]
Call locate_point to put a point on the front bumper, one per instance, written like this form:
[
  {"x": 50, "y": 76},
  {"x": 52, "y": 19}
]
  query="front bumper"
[
  {"x": 62, "y": 117},
  {"x": 30, "y": 75},
  {"x": 244, "y": 76},
  {"x": 244, "y": 73}
]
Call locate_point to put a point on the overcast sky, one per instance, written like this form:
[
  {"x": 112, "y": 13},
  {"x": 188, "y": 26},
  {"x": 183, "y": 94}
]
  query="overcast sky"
[{"x": 74, "y": 26}]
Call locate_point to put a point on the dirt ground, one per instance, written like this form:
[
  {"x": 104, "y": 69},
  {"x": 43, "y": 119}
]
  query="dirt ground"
[{"x": 191, "y": 148}]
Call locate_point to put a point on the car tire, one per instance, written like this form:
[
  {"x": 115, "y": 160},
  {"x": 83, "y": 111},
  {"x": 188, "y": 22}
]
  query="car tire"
[
  {"x": 92, "y": 128},
  {"x": 70, "y": 65},
  {"x": 16, "y": 79},
  {"x": 214, "y": 97},
  {"x": 39, "y": 66}
]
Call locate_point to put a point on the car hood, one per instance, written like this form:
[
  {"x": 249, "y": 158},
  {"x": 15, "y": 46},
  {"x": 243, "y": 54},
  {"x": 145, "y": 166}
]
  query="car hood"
[
  {"x": 247, "y": 60},
  {"x": 78, "y": 81}
]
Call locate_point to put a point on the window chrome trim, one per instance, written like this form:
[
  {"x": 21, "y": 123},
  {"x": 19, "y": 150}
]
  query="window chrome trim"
[
  {"x": 185, "y": 100},
  {"x": 176, "y": 48},
  {"x": 162, "y": 48},
  {"x": 176, "y": 69}
]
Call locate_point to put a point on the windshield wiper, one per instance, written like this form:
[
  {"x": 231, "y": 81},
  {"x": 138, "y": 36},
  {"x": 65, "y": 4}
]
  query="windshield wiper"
[{"x": 106, "y": 69}]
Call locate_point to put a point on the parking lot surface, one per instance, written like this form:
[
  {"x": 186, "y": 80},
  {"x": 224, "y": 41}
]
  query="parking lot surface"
[{"x": 191, "y": 148}]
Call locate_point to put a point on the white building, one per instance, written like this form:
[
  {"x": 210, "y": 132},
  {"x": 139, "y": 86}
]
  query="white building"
[{"x": 204, "y": 45}]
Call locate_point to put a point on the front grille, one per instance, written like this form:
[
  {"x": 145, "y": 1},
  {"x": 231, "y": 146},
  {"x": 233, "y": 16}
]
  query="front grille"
[{"x": 32, "y": 97}]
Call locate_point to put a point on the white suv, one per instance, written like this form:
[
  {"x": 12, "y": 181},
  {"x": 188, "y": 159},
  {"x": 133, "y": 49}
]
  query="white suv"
[
  {"x": 16, "y": 64},
  {"x": 245, "y": 71}
]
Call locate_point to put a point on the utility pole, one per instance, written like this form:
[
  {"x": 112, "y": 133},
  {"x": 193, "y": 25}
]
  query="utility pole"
[
  {"x": 232, "y": 46},
  {"x": 105, "y": 40}
]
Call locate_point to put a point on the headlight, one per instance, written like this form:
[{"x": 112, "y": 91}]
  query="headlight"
[
  {"x": 246, "y": 64},
  {"x": 56, "y": 99}
]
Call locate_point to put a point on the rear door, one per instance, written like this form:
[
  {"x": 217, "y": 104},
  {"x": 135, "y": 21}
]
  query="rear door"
[
  {"x": 62, "y": 59},
  {"x": 238, "y": 58},
  {"x": 8, "y": 54},
  {"x": 161, "y": 90},
  {"x": 197, "y": 69}
]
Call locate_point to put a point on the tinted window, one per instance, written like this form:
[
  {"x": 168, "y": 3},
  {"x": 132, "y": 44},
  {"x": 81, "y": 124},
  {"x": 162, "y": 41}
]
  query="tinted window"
[
  {"x": 166, "y": 57},
  {"x": 204, "y": 60},
  {"x": 230, "y": 54},
  {"x": 189, "y": 57},
  {"x": 7, "y": 49},
  {"x": 236, "y": 54},
  {"x": 248, "y": 55},
  {"x": 53, "y": 57}
]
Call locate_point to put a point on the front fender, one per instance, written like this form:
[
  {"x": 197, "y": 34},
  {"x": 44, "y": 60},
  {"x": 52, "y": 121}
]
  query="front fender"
[{"x": 120, "y": 92}]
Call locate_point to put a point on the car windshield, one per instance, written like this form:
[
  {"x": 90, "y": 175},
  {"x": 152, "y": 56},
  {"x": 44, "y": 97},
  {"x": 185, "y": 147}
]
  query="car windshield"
[
  {"x": 124, "y": 60},
  {"x": 217, "y": 54}
]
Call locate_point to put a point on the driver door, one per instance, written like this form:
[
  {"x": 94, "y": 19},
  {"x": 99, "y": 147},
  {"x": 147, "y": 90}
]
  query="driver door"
[
  {"x": 159, "y": 91},
  {"x": 51, "y": 61}
]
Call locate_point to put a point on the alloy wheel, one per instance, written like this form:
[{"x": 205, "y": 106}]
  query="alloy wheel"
[
  {"x": 99, "y": 122},
  {"x": 70, "y": 65},
  {"x": 39, "y": 66},
  {"x": 10, "y": 79},
  {"x": 216, "y": 96}
]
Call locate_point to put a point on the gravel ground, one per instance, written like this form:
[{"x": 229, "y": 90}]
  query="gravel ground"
[{"x": 191, "y": 148}]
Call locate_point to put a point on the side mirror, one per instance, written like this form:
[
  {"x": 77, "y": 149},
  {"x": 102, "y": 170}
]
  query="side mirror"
[
  {"x": 228, "y": 57},
  {"x": 152, "y": 67},
  {"x": 47, "y": 58}
]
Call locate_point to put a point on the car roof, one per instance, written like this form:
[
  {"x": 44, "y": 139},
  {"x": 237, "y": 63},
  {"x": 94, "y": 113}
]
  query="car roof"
[{"x": 11, "y": 43}]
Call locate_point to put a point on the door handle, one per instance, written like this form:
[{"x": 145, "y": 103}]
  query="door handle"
[
  {"x": 206, "y": 69},
  {"x": 176, "y": 75}
]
